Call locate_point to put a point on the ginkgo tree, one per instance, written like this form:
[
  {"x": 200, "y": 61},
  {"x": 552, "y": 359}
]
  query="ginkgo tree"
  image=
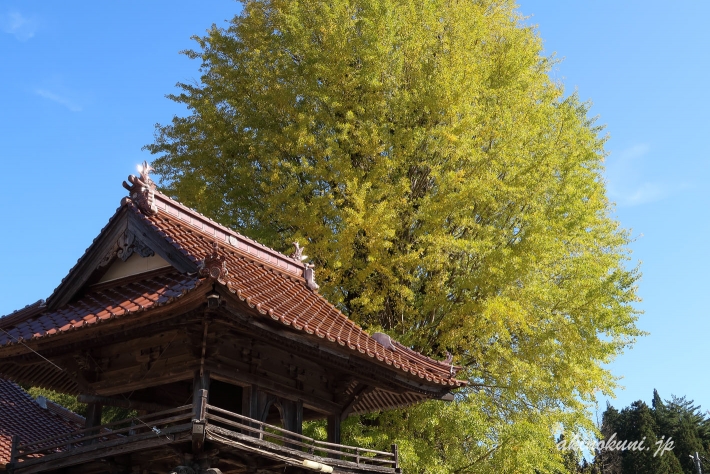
[{"x": 448, "y": 192}]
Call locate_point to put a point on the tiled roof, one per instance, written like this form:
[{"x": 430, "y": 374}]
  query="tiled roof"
[
  {"x": 23, "y": 314},
  {"x": 100, "y": 305},
  {"x": 267, "y": 280},
  {"x": 273, "y": 284},
  {"x": 22, "y": 416}
]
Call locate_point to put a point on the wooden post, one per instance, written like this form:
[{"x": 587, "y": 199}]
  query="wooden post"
[
  {"x": 200, "y": 382},
  {"x": 93, "y": 418},
  {"x": 250, "y": 406},
  {"x": 13, "y": 448},
  {"x": 291, "y": 418},
  {"x": 201, "y": 408},
  {"x": 93, "y": 415},
  {"x": 395, "y": 451},
  {"x": 299, "y": 417},
  {"x": 249, "y": 401},
  {"x": 200, "y": 394},
  {"x": 334, "y": 429},
  {"x": 292, "y": 415}
]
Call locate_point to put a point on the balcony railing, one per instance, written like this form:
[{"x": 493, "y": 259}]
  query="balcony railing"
[
  {"x": 201, "y": 423},
  {"x": 88, "y": 443},
  {"x": 221, "y": 423}
]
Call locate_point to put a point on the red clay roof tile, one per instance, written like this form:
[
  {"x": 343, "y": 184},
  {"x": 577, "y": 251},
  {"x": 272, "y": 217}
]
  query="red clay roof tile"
[
  {"x": 22, "y": 416},
  {"x": 265, "y": 286},
  {"x": 267, "y": 280},
  {"x": 99, "y": 305}
]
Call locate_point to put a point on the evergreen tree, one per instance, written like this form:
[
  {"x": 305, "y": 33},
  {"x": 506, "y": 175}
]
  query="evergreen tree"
[
  {"x": 676, "y": 423},
  {"x": 608, "y": 461},
  {"x": 448, "y": 193},
  {"x": 638, "y": 426},
  {"x": 688, "y": 426}
]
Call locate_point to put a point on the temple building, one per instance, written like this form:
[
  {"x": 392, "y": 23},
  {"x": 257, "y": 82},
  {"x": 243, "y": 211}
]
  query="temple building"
[{"x": 220, "y": 347}]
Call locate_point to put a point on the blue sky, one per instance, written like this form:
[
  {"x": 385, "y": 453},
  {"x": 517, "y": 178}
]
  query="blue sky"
[
  {"x": 644, "y": 66},
  {"x": 83, "y": 83}
]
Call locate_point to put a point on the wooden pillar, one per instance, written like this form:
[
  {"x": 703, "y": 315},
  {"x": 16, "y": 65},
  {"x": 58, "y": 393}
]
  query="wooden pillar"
[
  {"x": 15, "y": 441},
  {"x": 264, "y": 401},
  {"x": 299, "y": 417},
  {"x": 200, "y": 393},
  {"x": 292, "y": 415},
  {"x": 200, "y": 382},
  {"x": 334, "y": 429},
  {"x": 250, "y": 401},
  {"x": 250, "y": 407},
  {"x": 93, "y": 418},
  {"x": 93, "y": 415}
]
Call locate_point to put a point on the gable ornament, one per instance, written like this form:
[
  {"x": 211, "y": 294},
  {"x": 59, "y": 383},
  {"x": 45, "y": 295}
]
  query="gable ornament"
[
  {"x": 214, "y": 265},
  {"x": 126, "y": 245}
]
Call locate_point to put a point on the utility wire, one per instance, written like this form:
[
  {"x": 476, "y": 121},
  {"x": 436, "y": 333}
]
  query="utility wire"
[
  {"x": 40, "y": 355},
  {"x": 154, "y": 429}
]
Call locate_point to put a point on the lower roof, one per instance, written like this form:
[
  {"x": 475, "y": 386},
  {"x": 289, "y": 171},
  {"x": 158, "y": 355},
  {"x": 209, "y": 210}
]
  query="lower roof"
[{"x": 21, "y": 415}]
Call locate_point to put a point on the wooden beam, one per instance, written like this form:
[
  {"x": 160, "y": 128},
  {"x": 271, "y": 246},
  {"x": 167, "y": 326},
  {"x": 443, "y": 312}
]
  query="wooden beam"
[
  {"x": 289, "y": 393},
  {"x": 176, "y": 373},
  {"x": 120, "y": 402},
  {"x": 367, "y": 371},
  {"x": 359, "y": 392},
  {"x": 114, "y": 447},
  {"x": 120, "y": 329}
]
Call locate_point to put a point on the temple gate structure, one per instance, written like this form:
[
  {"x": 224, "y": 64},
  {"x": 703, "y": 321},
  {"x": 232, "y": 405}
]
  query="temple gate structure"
[{"x": 222, "y": 348}]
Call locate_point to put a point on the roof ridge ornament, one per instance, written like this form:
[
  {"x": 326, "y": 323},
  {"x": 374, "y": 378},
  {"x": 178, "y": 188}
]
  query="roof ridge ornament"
[
  {"x": 310, "y": 275},
  {"x": 214, "y": 265},
  {"x": 309, "y": 272},
  {"x": 297, "y": 253},
  {"x": 142, "y": 190}
]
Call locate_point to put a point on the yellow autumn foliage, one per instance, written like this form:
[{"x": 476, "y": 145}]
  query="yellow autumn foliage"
[{"x": 447, "y": 191}]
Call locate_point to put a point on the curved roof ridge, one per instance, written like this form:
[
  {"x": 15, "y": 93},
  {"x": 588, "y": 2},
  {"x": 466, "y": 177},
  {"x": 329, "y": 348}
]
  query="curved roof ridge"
[{"x": 230, "y": 236}]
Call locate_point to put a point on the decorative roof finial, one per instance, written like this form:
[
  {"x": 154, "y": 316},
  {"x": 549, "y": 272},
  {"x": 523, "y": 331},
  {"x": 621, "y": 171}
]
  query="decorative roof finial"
[
  {"x": 142, "y": 190},
  {"x": 297, "y": 253}
]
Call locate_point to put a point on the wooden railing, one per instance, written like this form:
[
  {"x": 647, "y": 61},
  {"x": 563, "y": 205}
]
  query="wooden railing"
[
  {"x": 281, "y": 437},
  {"x": 213, "y": 422},
  {"x": 126, "y": 430}
]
